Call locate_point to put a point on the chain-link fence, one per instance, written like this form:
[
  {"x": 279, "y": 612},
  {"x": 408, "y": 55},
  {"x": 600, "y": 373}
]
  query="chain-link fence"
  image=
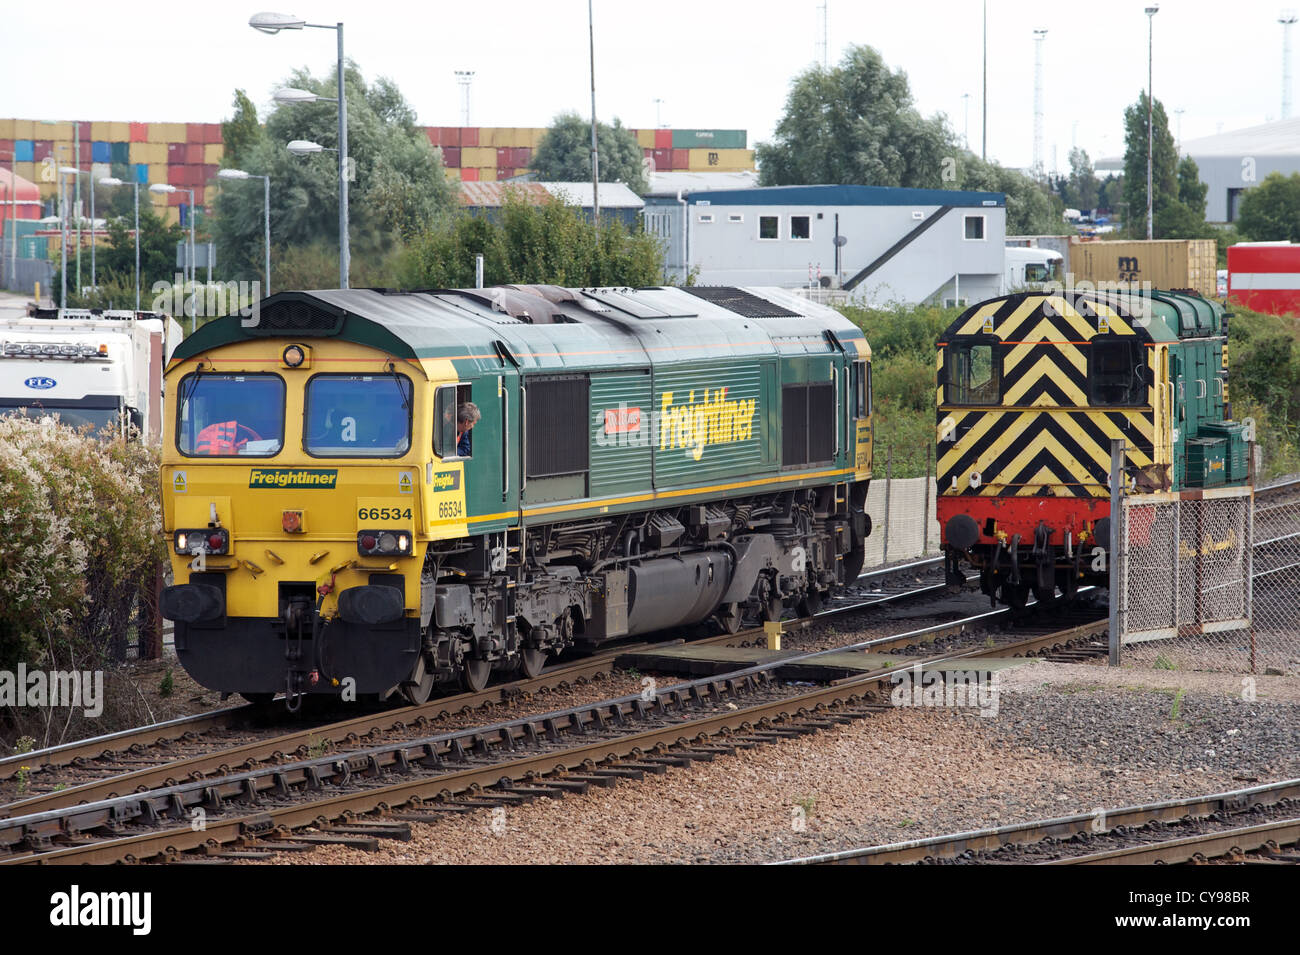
[
  {"x": 1210, "y": 580},
  {"x": 902, "y": 511}
]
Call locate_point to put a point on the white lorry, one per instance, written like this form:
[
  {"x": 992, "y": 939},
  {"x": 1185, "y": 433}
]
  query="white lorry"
[
  {"x": 97, "y": 368},
  {"x": 1027, "y": 268}
]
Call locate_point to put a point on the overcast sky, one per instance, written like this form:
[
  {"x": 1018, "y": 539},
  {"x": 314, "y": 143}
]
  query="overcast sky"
[{"x": 714, "y": 63}]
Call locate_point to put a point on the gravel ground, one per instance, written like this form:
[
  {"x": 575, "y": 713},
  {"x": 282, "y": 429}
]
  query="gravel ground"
[{"x": 1065, "y": 739}]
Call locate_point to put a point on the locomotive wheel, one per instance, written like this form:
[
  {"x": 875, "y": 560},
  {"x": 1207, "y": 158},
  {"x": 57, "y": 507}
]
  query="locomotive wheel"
[
  {"x": 729, "y": 617},
  {"x": 1046, "y": 596},
  {"x": 531, "y": 661},
  {"x": 1015, "y": 596},
  {"x": 770, "y": 604},
  {"x": 474, "y": 674},
  {"x": 417, "y": 693},
  {"x": 1068, "y": 584}
]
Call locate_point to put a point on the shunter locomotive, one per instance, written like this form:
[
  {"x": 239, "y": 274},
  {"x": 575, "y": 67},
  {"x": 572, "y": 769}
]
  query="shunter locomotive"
[
  {"x": 1032, "y": 388},
  {"x": 644, "y": 459}
]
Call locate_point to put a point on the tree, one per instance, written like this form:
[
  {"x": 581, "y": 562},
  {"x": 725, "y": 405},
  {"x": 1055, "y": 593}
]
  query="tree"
[
  {"x": 1110, "y": 192},
  {"x": 116, "y": 260},
  {"x": 1032, "y": 207},
  {"x": 241, "y": 132},
  {"x": 1081, "y": 187},
  {"x": 1164, "y": 164},
  {"x": 1270, "y": 211},
  {"x": 553, "y": 243},
  {"x": 397, "y": 188},
  {"x": 1184, "y": 217},
  {"x": 564, "y": 153},
  {"x": 855, "y": 124}
]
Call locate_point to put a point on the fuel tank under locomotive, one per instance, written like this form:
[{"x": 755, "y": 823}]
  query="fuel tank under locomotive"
[{"x": 676, "y": 591}]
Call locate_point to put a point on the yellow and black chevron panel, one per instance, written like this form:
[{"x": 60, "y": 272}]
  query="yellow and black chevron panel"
[{"x": 1029, "y": 427}]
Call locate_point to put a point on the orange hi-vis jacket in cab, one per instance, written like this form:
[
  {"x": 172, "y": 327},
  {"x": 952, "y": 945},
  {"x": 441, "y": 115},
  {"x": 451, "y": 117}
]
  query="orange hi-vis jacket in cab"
[{"x": 218, "y": 438}]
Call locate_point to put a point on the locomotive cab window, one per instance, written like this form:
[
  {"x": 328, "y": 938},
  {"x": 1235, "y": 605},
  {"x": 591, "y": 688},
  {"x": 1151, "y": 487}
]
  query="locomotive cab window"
[
  {"x": 449, "y": 440},
  {"x": 974, "y": 374},
  {"x": 861, "y": 389},
  {"x": 362, "y": 416},
  {"x": 1115, "y": 373},
  {"x": 231, "y": 415}
]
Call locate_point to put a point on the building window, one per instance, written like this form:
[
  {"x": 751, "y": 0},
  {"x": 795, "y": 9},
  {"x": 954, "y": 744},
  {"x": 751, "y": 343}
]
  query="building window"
[
  {"x": 799, "y": 228},
  {"x": 974, "y": 227},
  {"x": 769, "y": 227},
  {"x": 735, "y": 218},
  {"x": 706, "y": 217}
]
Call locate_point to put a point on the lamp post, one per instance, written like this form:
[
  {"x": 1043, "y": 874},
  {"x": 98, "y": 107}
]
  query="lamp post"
[
  {"x": 274, "y": 23},
  {"x": 76, "y": 128},
  {"x": 63, "y": 232},
  {"x": 1150, "y": 12},
  {"x": 238, "y": 174},
  {"x": 112, "y": 181},
  {"x": 13, "y": 218},
  {"x": 161, "y": 188}
]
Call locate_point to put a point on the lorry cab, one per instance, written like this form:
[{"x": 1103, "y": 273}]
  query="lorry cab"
[{"x": 1028, "y": 268}]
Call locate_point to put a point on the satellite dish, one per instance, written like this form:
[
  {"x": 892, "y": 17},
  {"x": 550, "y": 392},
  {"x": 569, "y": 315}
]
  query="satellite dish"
[{"x": 841, "y": 241}]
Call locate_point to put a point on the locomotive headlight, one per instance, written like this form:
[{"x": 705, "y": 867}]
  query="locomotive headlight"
[
  {"x": 182, "y": 542},
  {"x": 387, "y": 543},
  {"x": 384, "y": 543},
  {"x": 296, "y": 356},
  {"x": 208, "y": 540}
]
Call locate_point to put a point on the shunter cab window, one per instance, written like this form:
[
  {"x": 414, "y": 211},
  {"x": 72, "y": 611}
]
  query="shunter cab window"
[
  {"x": 1113, "y": 374},
  {"x": 231, "y": 415},
  {"x": 974, "y": 374},
  {"x": 357, "y": 416}
]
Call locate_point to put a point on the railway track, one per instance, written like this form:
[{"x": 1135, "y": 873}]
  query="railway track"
[
  {"x": 1260, "y": 824},
  {"x": 499, "y": 764},
  {"x": 218, "y": 740}
]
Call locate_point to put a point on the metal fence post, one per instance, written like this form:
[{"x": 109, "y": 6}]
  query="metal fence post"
[
  {"x": 1116, "y": 516},
  {"x": 889, "y": 472},
  {"x": 925, "y": 514}
]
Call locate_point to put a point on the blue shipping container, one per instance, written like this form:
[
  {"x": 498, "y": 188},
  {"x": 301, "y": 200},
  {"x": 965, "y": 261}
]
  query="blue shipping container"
[
  {"x": 24, "y": 151},
  {"x": 142, "y": 170},
  {"x": 101, "y": 152}
]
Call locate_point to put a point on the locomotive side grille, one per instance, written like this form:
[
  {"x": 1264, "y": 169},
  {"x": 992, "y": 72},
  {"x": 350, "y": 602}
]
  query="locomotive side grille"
[
  {"x": 807, "y": 423},
  {"x": 741, "y": 302},
  {"x": 557, "y": 425}
]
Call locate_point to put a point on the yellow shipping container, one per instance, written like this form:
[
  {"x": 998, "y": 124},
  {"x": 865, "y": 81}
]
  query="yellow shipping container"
[
  {"x": 537, "y": 137},
  {"x": 453, "y": 173},
  {"x": 140, "y": 152},
  {"x": 101, "y": 132},
  {"x": 23, "y": 129},
  {"x": 167, "y": 132},
  {"x": 7, "y": 129},
  {"x": 487, "y": 174},
  {"x": 471, "y": 156},
  {"x": 119, "y": 132},
  {"x": 213, "y": 152},
  {"x": 27, "y": 170},
  {"x": 157, "y": 172},
  {"x": 1164, "y": 263},
  {"x": 720, "y": 160},
  {"x": 58, "y": 132},
  {"x": 158, "y": 154},
  {"x": 48, "y": 189},
  {"x": 645, "y": 138}
]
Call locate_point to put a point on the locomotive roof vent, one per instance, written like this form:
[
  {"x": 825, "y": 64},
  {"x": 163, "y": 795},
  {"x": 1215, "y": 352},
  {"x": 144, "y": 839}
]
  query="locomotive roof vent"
[
  {"x": 299, "y": 317},
  {"x": 739, "y": 301}
]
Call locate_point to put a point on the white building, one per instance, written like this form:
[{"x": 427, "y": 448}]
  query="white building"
[{"x": 878, "y": 244}]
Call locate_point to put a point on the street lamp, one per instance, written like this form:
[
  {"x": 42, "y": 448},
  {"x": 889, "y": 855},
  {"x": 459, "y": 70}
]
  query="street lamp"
[
  {"x": 274, "y": 23},
  {"x": 162, "y": 188},
  {"x": 13, "y": 219},
  {"x": 63, "y": 232},
  {"x": 113, "y": 181},
  {"x": 238, "y": 174},
  {"x": 1150, "y": 12}
]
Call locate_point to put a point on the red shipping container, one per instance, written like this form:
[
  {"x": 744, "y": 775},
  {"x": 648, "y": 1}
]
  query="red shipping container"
[
  {"x": 504, "y": 173},
  {"x": 175, "y": 152},
  {"x": 433, "y": 133},
  {"x": 213, "y": 136},
  {"x": 663, "y": 159},
  {"x": 1265, "y": 277},
  {"x": 194, "y": 153},
  {"x": 469, "y": 136},
  {"x": 681, "y": 159},
  {"x": 450, "y": 135},
  {"x": 176, "y": 174},
  {"x": 451, "y": 157},
  {"x": 469, "y": 175},
  {"x": 194, "y": 132},
  {"x": 85, "y": 133},
  {"x": 209, "y": 173},
  {"x": 663, "y": 139},
  {"x": 41, "y": 149},
  {"x": 6, "y": 145},
  {"x": 178, "y": 198},
  {"x": 503, "y": 156},
  {"x": 521, "y": 156},
  {"x": 139, "y": 132}
]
